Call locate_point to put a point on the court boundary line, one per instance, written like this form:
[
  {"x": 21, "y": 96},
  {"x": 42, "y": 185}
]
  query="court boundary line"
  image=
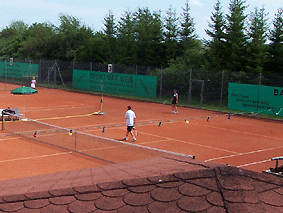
[
  {"x": 187, "y": 142},
  {"x": 172, "y": 139},
  {"x": 237, "y": 131},
  {"x": 212, "y": 159},
  {"x": 40, "y": 156},
  {"x": 4, "y": 139},
  {"x": 258, "y": 135},
  {"x": 244, "y": 153},
  {"x": 154, "y": 122},
  {"x": 253, "y": 163}
]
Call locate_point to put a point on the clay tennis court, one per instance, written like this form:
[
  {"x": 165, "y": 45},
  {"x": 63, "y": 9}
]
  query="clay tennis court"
[{"x": 245, "y": 142}]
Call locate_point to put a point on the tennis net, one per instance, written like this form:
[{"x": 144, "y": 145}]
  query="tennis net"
[{"x": 105, "y": 149}]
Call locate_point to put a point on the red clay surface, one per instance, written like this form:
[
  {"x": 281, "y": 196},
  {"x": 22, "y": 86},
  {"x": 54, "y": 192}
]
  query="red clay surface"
[{"x": 244, "y": 142}]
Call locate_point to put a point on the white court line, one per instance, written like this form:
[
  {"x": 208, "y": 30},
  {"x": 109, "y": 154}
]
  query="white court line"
[
  {"x": 41, "y": 156},
  {"x": 234, "y": 155},
  {"x": 156, "y": 141},
  {"x": 247, "y": 133},
  {"x": 187, "y": 142},
  {"x": 123, "y": 125},
  {"x": 244, "y": 153},
  {"x": 58, "y": 109},
  {"x": 171, "y": 139},
  {"x": 6, "y": 139},
  {"x": 249, "y": 164}
]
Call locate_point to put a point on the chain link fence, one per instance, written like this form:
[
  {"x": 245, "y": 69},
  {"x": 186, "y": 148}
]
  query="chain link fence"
[{"x": 196, "y": 88}]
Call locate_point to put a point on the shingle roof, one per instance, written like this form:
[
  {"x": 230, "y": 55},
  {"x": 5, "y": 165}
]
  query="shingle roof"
[{"x": 185, "y": 186}]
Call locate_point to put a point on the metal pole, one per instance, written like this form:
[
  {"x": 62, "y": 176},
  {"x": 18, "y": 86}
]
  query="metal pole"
[
  {"x": 221, "y": 93},
  {"x": 190, "y": 89},
  {"x": 258, "y": 92},
  {"x": 89, "y": 68},
  {"x": 2, "y": 120},
  {"x": 5, "y": 76},
  {"x": 137, "y": 81},
  {"x": 55, "y": 71},
  {"x": 30, "y": 68},
  {"x": 260, "y": 77},
  {"x": 160, "y": 91},
  {"x": 39, "y": 74},
  {"x": 201, "y": 93}
]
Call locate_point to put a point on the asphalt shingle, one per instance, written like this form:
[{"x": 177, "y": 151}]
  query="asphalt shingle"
[{"x": 206, "y": 188}]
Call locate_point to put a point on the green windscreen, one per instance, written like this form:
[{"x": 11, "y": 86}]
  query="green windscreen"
[
  {"x": 255, "y": 98},
  {"x": 18, "y": 70},
  {"x": 125, "y": 84}
]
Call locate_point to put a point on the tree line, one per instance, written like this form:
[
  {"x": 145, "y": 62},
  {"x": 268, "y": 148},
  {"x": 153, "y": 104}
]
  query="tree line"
[{"x": 238, "y": 42}]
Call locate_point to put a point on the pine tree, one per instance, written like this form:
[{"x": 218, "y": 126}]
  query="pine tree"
[
  {"x": 257, "y": 48},
  {"x": 275, "y": 59},
  {"x": 126, "y": 39},
  {"x": 148, "y": 35},
  {"x": 171, "y": 34},
  {"x": 236, "y": 39},
  {"x": 111, "y": 33},
  {"x": 187, "y": 31},
  {"x": 214, "y": 54}
]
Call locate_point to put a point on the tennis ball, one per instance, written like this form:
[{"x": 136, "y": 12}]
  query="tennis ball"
[
  {"x": 187, "y": 121},
  {"x": 72, "y": 106}
]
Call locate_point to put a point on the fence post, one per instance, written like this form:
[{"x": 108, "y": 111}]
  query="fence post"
[
  {"x": 5, "y": 76},
  {"x": 2, "y": 119},
  {"x": 190, "y": 89},
  {"x": 201, "y": 93},
  {"x": 258, "y": 92},
  {"x": 160, "y": 91},
  {"x": 137, "y": 91},
  {"x": 221, "y": 92},
  {"x": 39, "y": 72},
  {"x": 55, "y": 71}
]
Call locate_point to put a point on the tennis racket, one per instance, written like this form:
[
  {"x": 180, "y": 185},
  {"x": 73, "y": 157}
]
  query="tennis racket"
[
  {"x": 135, "y": 131},
  {"x": 165, "y": 102}
]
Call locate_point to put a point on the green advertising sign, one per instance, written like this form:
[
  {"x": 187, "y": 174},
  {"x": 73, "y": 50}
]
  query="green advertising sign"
[
  {"x": 18, "y": 70},
  {"x": 255, "y": 98},
  {"x": 126, "y": 84}
]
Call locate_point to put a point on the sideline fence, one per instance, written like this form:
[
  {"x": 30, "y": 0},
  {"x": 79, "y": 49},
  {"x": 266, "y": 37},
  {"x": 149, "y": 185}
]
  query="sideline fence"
[{"x": 104, "y": 149}]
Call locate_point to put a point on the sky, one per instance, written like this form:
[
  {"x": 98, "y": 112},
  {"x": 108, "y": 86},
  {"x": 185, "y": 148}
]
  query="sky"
[{"x": 92, "y": 12}]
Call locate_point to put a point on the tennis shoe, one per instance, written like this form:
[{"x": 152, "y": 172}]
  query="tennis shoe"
[
  {"x": 134, "y": 139},
  {"x": 176, "y": 112},
  {"x": 125, "y": 138}
]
